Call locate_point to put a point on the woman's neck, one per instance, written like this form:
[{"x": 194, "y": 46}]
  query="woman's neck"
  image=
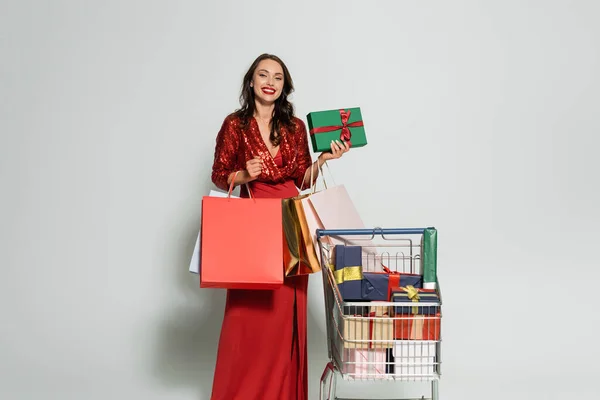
[{"x": 263, "y": 111}]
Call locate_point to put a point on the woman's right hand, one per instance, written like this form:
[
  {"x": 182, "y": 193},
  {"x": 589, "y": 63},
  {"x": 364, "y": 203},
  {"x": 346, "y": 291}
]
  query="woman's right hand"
[{"x": 254, "y": 167}]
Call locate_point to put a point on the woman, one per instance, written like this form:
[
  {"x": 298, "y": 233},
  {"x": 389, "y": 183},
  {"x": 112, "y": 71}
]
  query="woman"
[{"x": 262, "y": 349}]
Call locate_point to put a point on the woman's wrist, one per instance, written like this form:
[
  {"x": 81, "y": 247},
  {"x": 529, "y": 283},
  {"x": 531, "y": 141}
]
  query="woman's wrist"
[
  {"x": 246, "y": 177},
  {"x": 239, "y": 178},
  {"x": 320, "y": 160}
]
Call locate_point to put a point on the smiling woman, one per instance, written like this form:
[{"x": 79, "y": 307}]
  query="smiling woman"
[{"x": 262, "y": 350}]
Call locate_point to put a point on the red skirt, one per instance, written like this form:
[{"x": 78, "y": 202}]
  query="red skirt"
[{"x": 262, "y": 352}]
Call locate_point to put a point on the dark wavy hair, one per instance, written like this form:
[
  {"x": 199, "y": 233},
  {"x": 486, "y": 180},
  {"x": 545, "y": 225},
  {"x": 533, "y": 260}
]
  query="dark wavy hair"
[{"x": 284, "y": 110}]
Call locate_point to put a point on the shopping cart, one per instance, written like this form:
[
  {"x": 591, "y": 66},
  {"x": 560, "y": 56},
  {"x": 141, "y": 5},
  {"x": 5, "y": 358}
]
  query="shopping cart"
[{"x": 375, "y": 341}]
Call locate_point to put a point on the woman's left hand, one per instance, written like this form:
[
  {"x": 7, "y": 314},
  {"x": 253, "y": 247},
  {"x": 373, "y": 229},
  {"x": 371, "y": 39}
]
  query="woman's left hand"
[{"x": 338, "y": 148}]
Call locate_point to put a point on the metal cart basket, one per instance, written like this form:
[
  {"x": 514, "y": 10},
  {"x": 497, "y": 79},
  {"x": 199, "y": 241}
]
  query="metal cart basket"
[{"x": 379, "y": 340}]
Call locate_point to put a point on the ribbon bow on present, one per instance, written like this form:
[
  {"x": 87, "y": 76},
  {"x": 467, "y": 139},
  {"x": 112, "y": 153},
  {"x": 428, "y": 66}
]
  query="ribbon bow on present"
[
  {"x": 389, "y": 271},
  {"x": 412, "y": 294},
  {"x": 394, "y": 279},
  {"x": 345, "y": 135}
]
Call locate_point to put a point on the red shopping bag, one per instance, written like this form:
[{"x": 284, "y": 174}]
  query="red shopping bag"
[{"x": 242, "y": 243}]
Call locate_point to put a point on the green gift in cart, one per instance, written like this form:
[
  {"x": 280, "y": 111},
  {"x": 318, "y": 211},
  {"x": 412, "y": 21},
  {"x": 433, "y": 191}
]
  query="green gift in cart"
[
  {"x": 343, "y": 124},
  {"x": 429, "y": 258}
]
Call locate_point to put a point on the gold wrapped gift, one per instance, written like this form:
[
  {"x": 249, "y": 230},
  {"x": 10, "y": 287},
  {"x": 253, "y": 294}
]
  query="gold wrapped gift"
[{"x": 373, "y": 332}]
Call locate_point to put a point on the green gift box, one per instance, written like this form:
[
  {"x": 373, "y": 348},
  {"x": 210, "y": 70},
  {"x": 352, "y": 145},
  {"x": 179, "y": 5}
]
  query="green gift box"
[
  {"x": 429, "y": 258},
  {"x": 345, "y": 124}
]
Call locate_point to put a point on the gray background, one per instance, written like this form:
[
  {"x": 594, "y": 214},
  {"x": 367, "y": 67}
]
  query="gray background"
[{"x": 482, "y": 120}]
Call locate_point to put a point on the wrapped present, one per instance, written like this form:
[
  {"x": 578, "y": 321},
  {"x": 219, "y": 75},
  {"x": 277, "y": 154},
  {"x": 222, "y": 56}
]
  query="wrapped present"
[
  {"x": 356, "y": 333},
  {"x": 376, "y": 310},
  {"x": 382, "y": 329},
  {"x": 411, "y": 297},
  {"x": 372, "y": 287},
  {"x": 344, "y": 125},
  {"x": 348, "y": 272},
  {"x": 373, "y": 356},
  {"x": 365, "y": 362},
  {"x": 352, "y": 282},
  {"x": 348, "y": 256},
  {"x": 429, "y": 258},
  {"x": 399, "y": 279},
  {"x": 417, "y": 327},
  {"x": 373, "y": 332},
  {"x": 415, "y": 358}
]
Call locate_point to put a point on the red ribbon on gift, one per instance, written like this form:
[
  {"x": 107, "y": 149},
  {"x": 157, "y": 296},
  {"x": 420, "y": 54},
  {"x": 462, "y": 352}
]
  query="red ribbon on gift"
[
  {"x": 370, "y": 315},
  {"x": 345, "y": 135},
  {"x": 394, "y": 280}
]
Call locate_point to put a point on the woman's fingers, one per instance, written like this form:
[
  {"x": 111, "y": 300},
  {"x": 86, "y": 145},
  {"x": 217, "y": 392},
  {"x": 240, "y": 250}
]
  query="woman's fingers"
[
  {"x": 337, "y": 149},
  {"x": 334, "y": 148},
  {"x": 256, "y": 161},
  {"x": 254, "y": 166}
]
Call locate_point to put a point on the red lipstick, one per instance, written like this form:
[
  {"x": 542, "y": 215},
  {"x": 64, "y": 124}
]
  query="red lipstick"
[{"x": 268, "y": 91}]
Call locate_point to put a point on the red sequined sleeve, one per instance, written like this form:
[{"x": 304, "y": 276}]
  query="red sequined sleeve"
[
  {"x": 226, "y": 154},
  {"x": 304, "y": 158}
]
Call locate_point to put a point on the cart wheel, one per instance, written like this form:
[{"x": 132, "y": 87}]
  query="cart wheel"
[{"x": 329, "y": 392}]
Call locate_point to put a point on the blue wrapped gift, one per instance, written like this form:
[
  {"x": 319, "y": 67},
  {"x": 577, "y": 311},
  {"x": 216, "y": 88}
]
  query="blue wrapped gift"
[
  {"x": 413, "y": 280},
  {"x": 372, "y": 286},
  {"x": 353, "y": 283},
  {"x": 412, "y": 296}
]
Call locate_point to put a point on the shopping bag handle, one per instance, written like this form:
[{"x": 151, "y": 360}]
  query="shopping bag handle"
[
  {"x": 373, "y": 232},
  {"x": 330, "y": 174},
  {"x": 322, "y": 176},
  {"x": 232, "y": 184},
  {"x": 313, "y": 186}
]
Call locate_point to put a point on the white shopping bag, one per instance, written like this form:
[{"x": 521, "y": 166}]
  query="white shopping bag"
[
  {"x": 332, "y": 208},
  {"x": 195, "y": 261},
  {"x": 336, "y": 210}
]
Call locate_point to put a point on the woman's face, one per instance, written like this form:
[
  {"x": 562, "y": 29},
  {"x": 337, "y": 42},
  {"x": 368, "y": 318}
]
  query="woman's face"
[{"x": 267, "y": 81}]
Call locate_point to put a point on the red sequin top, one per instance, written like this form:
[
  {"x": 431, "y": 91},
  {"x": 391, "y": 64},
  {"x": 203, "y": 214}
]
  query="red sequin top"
[{"x": 235, "y": 146}]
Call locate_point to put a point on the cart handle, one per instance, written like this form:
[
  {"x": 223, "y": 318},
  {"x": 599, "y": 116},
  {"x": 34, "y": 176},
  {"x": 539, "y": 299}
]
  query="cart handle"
[{"x": 375, "y": 231}]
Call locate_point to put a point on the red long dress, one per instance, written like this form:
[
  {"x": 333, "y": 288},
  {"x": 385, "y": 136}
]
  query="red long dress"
[{"x": 262, "y": 352}]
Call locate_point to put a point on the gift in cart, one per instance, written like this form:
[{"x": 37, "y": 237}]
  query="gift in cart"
[{"x": 383, "y": 307}]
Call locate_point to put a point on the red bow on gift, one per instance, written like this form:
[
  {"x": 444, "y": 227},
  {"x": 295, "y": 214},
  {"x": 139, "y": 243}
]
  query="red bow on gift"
[
  {"x": 394, "y": 280},
  {"x": 389, "y": 271}
]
